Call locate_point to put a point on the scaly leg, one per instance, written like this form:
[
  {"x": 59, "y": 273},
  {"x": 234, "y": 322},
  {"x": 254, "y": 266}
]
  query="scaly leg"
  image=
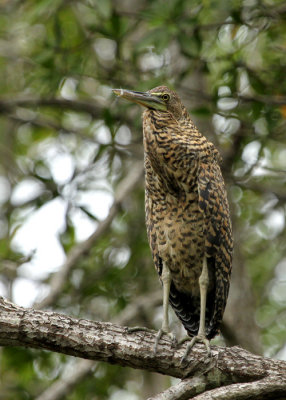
[
  {"x": 166, "y": 280},
  {"x": 165, "y": 329},
  {"x": 204, "y": 283},
  {"x": 201, "y": 337}
]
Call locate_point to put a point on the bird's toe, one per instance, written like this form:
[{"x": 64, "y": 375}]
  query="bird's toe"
[
  {"x": 192, "y": 341},
  {"x": 138, "y": 329},
  {"x": 159, "y": 335}
]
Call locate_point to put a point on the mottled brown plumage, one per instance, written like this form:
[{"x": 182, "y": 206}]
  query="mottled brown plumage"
[{"x": 187, "y": 213}]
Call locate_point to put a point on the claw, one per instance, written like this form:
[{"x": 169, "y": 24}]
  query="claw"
[
  {"x": 195, "y": 339},
  {"x": 201, "y": 336},
  {"x": 162, "y": 332}
]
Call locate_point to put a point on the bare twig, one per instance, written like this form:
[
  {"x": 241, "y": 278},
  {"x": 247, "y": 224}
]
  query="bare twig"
[
  {"x": 95, "y": 109},
  {"x": 50, "y": 123},
  {"x": 183, "y": 390},
  {"x": 78, "y": 251},
  {"x": 61, "y": 388},
  {"x": 271, "y": 100},
  {"x": 77, "y": 105}
]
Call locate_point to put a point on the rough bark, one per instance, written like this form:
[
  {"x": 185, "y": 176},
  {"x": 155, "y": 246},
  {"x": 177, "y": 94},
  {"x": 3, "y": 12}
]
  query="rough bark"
[
  {"x": 82, "y": 368},
  {"x": 112, "y": 343}
]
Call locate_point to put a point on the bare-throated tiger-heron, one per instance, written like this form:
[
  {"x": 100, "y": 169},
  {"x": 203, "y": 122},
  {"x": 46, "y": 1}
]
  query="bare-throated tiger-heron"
[{"x": 187, "y": 214}]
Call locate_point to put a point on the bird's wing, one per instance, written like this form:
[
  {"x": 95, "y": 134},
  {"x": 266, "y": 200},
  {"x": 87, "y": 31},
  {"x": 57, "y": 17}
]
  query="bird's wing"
[{"x": 218, "y": 240}]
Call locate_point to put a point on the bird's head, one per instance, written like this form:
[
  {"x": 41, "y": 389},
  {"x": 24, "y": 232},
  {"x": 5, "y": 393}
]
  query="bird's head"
[{"x": 160, "y": 98}]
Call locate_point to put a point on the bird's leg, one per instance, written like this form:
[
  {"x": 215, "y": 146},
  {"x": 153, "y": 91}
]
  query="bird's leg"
[
  {"x": 201, "y": 337},
  {"x": 166, "y": 280},
  {"x": 165, "y": 329},
  {"x": 204, "y": 283}
]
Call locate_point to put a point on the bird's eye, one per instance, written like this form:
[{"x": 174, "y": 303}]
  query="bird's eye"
[{"x": 165, "y": 97}]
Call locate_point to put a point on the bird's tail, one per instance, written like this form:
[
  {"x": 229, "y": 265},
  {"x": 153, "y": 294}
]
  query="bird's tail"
[{"x": 187, "y": 309}]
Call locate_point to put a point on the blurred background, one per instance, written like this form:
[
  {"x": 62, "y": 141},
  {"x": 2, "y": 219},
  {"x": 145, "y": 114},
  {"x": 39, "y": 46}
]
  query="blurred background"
[{"x": 72, "y": 233}]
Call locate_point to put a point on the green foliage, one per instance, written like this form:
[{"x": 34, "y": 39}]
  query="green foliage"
[{"x": 58, "y": 63}]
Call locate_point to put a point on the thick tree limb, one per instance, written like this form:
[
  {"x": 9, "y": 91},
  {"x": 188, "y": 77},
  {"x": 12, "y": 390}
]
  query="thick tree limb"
[
  {"x": 82, "y": 368},
  {"x": 78, "y": 251},
  {"x": 112, "y": 343}
]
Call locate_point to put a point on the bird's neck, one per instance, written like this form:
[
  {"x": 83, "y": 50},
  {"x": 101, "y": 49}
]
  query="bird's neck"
[
  {"x": 163, "y": 134},
  {"x": 161, "y": 120},
  {"x": 170, "y": 146}
]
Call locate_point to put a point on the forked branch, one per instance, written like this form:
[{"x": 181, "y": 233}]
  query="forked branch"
[{"x": 112, "y": 343}]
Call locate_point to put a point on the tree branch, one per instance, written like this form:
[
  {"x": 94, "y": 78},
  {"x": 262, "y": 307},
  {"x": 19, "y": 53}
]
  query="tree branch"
[
  {"x": 61, "y": 388},
  {"x": 271, "y": 100},
  {"x": 183, "y": 390},
  {"x": 112, "y": 343},
  {"x": 82, "y": 368},
  {"x": 59, "y": 278},
  {"x": 50, "y": 123},
  {"x": 92, "y": 108},
  {"x": 262, "y": 389},
  {"x": 95, "y": 109}
]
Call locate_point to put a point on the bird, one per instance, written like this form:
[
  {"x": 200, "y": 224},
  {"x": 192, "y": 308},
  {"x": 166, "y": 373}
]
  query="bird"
[{"x": 187, "y": 215}]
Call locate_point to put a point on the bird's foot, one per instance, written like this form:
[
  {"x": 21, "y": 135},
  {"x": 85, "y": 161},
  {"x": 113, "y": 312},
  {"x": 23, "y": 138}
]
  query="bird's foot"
[
  {"x": 162, "y": 332},
  {"x": 192, "y": 341},
  {"x": 138, "y": 329}
]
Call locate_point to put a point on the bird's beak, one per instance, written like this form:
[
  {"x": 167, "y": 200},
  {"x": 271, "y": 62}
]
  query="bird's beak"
[{"x": 143, "y": 98}]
